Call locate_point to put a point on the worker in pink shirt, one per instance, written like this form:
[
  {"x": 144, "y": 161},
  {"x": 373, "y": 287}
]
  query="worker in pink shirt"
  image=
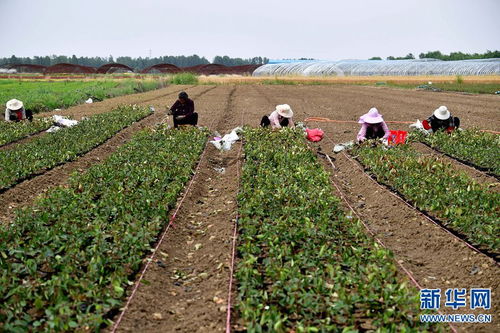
[
  {"x": 281, "y": 117},
  {"x": 373, "y": 126}
]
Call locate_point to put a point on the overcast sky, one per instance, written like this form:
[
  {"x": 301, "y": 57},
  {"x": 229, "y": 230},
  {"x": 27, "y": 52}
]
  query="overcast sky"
[{"x": 347, "y": 29}]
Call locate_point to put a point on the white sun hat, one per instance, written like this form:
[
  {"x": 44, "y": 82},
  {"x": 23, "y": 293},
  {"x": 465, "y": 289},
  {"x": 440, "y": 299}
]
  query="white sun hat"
[
  {"x": 284, "y": 110},
  {"x": 14, "y": 104},
  {"x": 442, "y": 113}
]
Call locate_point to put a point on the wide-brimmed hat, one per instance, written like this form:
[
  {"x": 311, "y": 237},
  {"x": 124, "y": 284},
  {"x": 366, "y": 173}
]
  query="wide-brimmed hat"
[
  {"x": 14, "y": 104},
  {"x": 372, "y": 117},
  {"x": 442, "y": 113},
  {"x": 284, "y": 110}
]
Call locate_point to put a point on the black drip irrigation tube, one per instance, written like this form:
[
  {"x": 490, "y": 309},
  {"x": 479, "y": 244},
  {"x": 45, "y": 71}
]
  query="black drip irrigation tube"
[
  {"x": 440, "y": 223},
  {"x": 487, "y": 171}
]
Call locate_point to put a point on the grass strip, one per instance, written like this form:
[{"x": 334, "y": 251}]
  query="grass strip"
[
  {"x": 41, "y": 96},
  {"x": 66, "y": 261},
  {"x": 303, "y": 265}
]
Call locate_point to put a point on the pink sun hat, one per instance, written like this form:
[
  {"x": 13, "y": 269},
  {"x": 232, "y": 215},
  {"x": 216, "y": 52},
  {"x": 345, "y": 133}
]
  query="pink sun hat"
[{"x": 372, "y": 117}]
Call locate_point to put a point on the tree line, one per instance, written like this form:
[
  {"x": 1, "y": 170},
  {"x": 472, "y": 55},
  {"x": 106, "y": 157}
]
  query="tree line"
[
  {"x": 138, "y": 63},
  {"x": 452, "y": 56}
]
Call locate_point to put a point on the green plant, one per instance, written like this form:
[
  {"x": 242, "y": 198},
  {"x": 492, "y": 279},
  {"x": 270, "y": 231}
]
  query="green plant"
[
  {"x": 13, "y": 131},
  {"x": 66, "y": 261},
  {"x": 435, "y": 186},
  {"x": 303, "y": 265},
  {"x": 481, "y": 149},
  {"x": 184, "y": 78},
  {"x": 459, "y": 79},
  {"x": 65, "y": 145}
]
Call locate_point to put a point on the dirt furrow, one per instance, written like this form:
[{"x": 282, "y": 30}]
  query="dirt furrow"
[
  {"x": 188, "y": 280},
  {"x": 24, "y": 193}
]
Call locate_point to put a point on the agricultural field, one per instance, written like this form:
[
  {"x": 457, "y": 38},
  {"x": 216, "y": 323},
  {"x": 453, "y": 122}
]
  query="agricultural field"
[{"x": 122, "y": 224}]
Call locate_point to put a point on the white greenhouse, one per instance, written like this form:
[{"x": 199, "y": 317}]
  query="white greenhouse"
[{"x": 410, "y": 67}]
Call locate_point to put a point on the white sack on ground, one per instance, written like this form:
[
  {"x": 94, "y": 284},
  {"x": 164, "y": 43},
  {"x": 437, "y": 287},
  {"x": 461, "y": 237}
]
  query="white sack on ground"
[
  {"x": 227, "y": 140},
  {"x": 63, "y": 121}
]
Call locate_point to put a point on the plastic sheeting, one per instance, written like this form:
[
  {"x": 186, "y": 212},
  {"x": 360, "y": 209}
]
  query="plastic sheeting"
[{"x": 410, "y": 67}]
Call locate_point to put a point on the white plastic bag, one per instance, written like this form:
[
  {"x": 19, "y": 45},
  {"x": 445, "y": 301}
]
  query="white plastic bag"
[
  {"x": 420, "y": 127},
  {"x": 64, "y": 122},
  {"x": 341, "y": 146},
  {"x": 89, "y": 101},
  {"x": 227, "y": 140},
  {"x": 53, "y": 129}
]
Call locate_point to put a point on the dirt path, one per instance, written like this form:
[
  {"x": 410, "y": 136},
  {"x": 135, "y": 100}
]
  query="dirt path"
[
  {"x": 24, "y": 193},
  {"x": 434, "y": 257},
  {"x": 188, "y": 281}
]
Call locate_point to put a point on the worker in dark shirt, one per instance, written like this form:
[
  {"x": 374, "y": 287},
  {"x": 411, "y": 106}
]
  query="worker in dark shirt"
[
  {"x": 183, "y": 111},
  {"x": 441, "y": 119}
]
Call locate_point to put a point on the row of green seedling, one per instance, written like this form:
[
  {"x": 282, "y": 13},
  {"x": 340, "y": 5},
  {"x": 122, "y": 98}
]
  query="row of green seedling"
[
  {"x": 14, "y": 131},
  {"x": 305, "y": 266},
  {"x": 39, "y": 96},
  {"x": 437, "y": 187},
  {"x": 474, "y": 147},
  {"x": 66, "y": 261},
  {"x": 52, "y": 149}
]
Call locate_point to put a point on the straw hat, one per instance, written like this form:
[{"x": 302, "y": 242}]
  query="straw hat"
[
  {"x": 442, "y": 113},
  {"x": 372, "y": 117},
  {"x": 14, "y": 105},
  {"x": 284, "y": 110}
]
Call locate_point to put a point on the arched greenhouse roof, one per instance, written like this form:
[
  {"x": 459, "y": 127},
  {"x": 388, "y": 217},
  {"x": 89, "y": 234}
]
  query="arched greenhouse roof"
[{"x": 409, "y": 67}]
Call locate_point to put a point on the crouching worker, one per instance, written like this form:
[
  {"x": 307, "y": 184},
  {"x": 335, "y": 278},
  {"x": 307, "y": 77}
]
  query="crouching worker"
[
  {"x": 281, "y": 117},
  {"x": 373, "y": 126},
  {"x": 441, "y": 119},
  {"x": 183, "y": 111},
  {"x": 15, "y": 111}
]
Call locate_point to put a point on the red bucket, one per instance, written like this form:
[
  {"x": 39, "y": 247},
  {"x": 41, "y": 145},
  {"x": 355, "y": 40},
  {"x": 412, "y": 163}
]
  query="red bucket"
[{"x": 397, "y": 137}]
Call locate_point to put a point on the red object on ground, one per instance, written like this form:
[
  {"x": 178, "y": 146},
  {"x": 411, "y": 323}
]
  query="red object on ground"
[
  {"x": 314, "y": 134},
  {"x": 19, "y": 115},
  {"x": 397, "y": 137},
  {"x": 426, "y": 125}
]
